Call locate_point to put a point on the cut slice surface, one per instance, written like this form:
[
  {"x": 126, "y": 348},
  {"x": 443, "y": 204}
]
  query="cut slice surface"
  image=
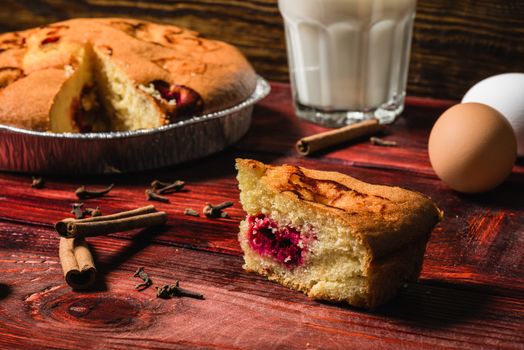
[
  {"x": 128, "y": 107},
  {"x": 74, "y": 101}
]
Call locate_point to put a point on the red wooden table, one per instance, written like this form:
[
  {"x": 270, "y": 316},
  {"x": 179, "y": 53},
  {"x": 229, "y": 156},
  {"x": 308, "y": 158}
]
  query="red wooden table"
[{"x": 470, "y": 294}]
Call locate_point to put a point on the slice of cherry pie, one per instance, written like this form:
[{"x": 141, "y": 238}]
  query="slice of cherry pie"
[{"x": 330, "y": 235}]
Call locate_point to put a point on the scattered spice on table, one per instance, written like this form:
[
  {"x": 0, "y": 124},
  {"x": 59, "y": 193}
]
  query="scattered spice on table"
[
  {"x": 93, "y": 212},
  {"x": 381, "y": 142},
  {"x": 152, "y": 196},
  {"x": 100, "y": 225},
  {"x": 167, "y": 291},
  {"x": 37, "y": 182},
  {"x": 78, "y": 210},
  {"x": 310, "y": 144},
  {"x": 156, "y": 184},
  {"x": 191, "y": 212},
  {"x": 216, "y": 211},
  {"x": 81, "y": 213},
  {"x": 140, "y": 273},
  {"x": 83, "y": 193},
  {"x": 167, "y": 187}
]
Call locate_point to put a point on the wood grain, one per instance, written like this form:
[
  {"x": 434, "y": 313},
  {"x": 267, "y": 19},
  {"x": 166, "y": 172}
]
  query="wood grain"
[
  {"x": 470, "y": 294},
  {"x": 455, "y": 43},
  {"x": 240, "y": 310}
]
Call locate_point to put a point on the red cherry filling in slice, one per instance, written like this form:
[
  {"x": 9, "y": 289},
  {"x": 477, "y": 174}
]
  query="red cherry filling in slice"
[
  {"x": 86, "y": 111},
  {"x": 286, "y": 244},
  {"x": 187, "y": 102}
]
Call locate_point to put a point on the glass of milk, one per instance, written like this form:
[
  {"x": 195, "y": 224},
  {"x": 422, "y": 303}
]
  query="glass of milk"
[{"x": 348, "y": 59}]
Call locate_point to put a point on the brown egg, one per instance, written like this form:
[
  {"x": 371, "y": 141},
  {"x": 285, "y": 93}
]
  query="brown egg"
[{"x": 472, "y": 147}]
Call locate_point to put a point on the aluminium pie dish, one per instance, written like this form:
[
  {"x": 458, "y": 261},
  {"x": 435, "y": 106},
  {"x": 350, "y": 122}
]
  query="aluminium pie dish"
[
  {"x": 116, "y": 95},
  {"x": 39, "y": 152}
]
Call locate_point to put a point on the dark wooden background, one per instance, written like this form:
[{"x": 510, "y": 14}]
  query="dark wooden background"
[{"x": 456, "y": 43}]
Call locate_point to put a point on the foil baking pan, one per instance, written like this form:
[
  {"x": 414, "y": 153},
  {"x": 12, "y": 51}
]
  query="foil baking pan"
[{"x": 126, "y": 151}]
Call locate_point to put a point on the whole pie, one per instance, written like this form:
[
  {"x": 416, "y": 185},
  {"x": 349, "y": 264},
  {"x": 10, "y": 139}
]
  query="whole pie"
[
  {"x": 95, "y": 75},
  {"x": 330, "y": 235}
]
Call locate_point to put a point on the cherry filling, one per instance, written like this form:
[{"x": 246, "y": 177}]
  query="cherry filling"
[
  {"x": 284, "y": 243},
  {"x": 50, "y": 40},
  {"x": 188, "y": 102},
  {"x": 85, "y": 109}
]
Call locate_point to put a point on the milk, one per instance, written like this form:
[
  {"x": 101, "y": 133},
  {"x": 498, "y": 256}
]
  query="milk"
[{"x": 348, "y": 55}]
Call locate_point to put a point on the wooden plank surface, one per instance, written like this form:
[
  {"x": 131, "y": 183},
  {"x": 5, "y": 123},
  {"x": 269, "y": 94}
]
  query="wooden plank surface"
[
  {"x": 470, "y": 294},
  {"x": 448, "y": 35},
  {"x": 240, "y": 311}
]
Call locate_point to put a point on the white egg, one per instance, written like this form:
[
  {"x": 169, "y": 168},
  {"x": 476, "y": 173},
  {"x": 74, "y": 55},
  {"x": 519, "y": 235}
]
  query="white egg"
[{"x": 505, "y": 93}]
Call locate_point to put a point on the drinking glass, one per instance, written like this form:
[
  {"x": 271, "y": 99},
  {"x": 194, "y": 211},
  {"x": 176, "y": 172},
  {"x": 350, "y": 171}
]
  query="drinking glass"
[{"x": 348, "y": 59}]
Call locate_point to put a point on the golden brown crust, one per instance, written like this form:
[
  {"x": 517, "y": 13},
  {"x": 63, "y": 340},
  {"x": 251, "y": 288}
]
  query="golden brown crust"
[
  {"x": 144, "y": 51},
  {"x": 23, "y": 105}
]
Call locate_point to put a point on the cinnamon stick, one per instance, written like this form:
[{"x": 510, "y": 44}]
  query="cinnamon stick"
[
  {"x": 77, "y": 263},
  {"x": 123, "y": 214},
  {"x": 317, "y": 142},
  {"x": 105, "y": 224},
  {"x": 61, "y": 226}
]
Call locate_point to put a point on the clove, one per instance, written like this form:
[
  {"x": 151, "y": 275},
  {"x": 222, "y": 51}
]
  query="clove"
[
  {"x": 38, "y": 182},
  {"x": 83, "y": 193},
  {"x": 157, "y": 184},
  {"x": 174, "y": 187},
  {"x": 77, "y": 210},
  {"x": 93, "y": 212},
  {"x": 167, "y": 291},
  {"x": 140, "y": 273},
  {"x": 167, "y": 187},
  {"x": 152, "y": 196},
  {"x": 380, "y": 142},
  {"x": 215, "y": 211},
  {"x": 191, "y": 212}
]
